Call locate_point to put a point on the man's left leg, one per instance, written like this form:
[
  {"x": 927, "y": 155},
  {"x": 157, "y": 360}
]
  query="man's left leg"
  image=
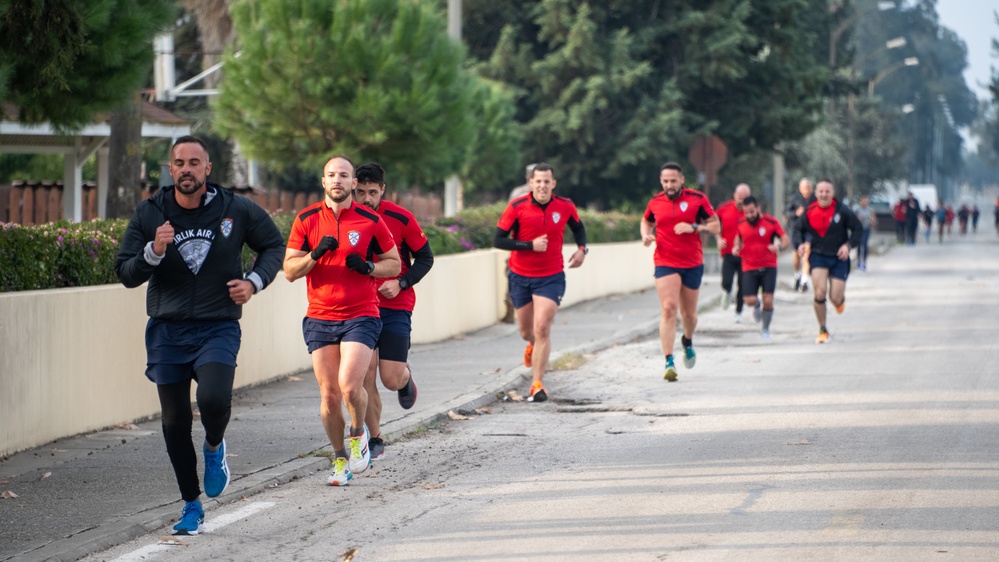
[
  {"x": 544, "y": 315},
  {"x": 354, "y": 360},
  {"x": 688, "y": 318}
]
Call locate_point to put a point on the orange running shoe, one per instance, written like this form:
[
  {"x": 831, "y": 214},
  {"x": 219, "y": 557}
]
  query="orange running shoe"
[
  {"x": 528, "y": 353},
  {"x": 841, "y": 307},
  {"x": 823, "y": 337},
  {"x": 538, "y": 393}
]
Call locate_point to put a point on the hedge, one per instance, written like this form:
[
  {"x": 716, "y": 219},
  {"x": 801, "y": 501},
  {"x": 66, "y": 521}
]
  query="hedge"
[{"x": 67, "y": 254}]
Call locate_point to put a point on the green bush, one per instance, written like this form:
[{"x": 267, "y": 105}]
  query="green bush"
[{"x": 66, "y": 254}]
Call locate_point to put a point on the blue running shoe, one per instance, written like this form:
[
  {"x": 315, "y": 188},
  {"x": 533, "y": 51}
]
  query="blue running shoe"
[
  {"x": 190, "y": 519},
  {"x": 670, "y": 375},
  {"x": 216, "y": 472},
  {"x": 689, "y": 357}
]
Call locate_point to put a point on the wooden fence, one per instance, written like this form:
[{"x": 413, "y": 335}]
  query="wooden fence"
[{"x": 29, "y": 203}]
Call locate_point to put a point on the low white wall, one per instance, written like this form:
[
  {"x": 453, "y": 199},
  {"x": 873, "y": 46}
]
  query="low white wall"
[{"x": 72, "y": 360}]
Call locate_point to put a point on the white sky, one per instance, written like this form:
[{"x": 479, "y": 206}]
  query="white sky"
[{"x": 974, "y": 21}]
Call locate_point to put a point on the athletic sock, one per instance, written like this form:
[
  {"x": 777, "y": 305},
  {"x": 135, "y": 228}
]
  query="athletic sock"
[
  {"x": 767, "y": 317},
  {"x": 686, "y": 343}
]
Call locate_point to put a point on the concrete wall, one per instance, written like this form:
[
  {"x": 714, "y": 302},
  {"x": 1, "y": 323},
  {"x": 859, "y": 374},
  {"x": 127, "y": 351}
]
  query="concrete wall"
[{"x": 72, "y": 360}]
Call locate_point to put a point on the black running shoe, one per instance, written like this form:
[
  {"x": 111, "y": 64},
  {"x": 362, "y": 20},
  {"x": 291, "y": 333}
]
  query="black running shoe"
[{"x": 407, "y": 394}]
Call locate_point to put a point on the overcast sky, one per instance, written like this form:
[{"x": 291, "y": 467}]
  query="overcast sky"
[{"x": 975, "y": 22}]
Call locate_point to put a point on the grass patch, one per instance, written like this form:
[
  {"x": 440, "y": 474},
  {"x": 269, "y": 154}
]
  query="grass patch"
[{"x": 568, "y": 362}]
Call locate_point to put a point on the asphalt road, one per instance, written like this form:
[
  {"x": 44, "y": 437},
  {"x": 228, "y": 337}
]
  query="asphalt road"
[{"x": 879, "y": 445}]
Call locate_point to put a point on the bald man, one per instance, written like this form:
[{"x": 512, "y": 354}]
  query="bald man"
[{"x": 729, "y": 214}]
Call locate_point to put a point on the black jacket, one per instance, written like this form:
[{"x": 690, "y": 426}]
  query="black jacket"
[
  {"x": 190, "y": 281},
  {"x": 844, "y": 228}
]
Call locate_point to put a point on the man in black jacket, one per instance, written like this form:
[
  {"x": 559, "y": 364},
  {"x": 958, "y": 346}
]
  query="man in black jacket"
[
  {"x": 827, "y": 230},
  {"x": 187, "y": 242}
]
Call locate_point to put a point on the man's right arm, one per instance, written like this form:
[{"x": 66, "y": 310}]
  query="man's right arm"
[
  {"x": 503, "y": 241},
  {"x": 130, "y": 264}
]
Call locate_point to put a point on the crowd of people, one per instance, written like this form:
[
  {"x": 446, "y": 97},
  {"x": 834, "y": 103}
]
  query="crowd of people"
[{"x": 362, "y": 255}]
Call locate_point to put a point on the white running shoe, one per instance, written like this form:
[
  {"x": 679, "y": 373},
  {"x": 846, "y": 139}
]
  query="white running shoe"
[
  {"x": 765, "y": 334},
  {"x": 360, "y": 455},
  {"x": 738, "y": 318},
  {"x": 341, "y": 473}
]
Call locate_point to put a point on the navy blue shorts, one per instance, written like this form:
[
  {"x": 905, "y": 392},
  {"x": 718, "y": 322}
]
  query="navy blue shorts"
[
  {"x": 393, "y": 343},
  {"x": 174, "y": 349},
  {"x": 320, "y": 333},
  {"x": 690, "y": 277},
  {"x": 756, "y": 279},
  {"x": 523, "y": 289},
  {"x": 839, "y": 269}
]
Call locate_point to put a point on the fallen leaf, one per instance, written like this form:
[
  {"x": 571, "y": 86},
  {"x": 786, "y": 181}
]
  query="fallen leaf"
[
  {"x": 483, "y": 410},
  {"x": 173, "y": 541},
  {"x": 433, "y": 486},
  {"x": 802, "y": 442},
  {"x": 131, "y": 426},
  {"x": 349, "y": 555},
  {"x": 8, "y": 495},
  {"x": 456, "y": 416},
  {"x": 512, "y": 395},
  {"x": 293, "y": 378},
  {"x": 46, "y": 475}
]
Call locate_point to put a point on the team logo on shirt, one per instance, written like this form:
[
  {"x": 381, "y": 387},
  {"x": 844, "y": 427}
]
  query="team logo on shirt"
[
  {"x": 836, "y": 218},
  {"x": 763, "y": 231},
  {"x": 226, "y": 227},
  {"x": 683, "y": 206},
  {"x": 556, "y": 217},
  {"x": 353, "y": 237}
]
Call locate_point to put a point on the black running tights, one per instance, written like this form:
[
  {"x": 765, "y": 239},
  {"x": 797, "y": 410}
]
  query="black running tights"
[
  {"x": 732, "y": 271},
  {"x": 214, "y": 396}
]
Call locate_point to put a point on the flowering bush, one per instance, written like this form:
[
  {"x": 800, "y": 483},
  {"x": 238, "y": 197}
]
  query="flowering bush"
[{"x": 66, "y": 254}]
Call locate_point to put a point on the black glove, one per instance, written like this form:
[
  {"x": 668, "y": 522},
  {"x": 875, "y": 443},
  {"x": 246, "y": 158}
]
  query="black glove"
[
  {"x": 328, "y": 243},
  {"x": 358, "y": 264}
]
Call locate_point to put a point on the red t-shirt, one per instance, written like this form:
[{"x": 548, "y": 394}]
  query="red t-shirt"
[
  {"x": 335, "y": 292},
  {"x": 755, "y": 238},
  {"x": 678, "y": 250},
  {"x": 729, "y": 216},
  {"x": 526, "y": 219},
  {"x": 409, "y": 237},
  {"x": 819, "y": 218}
]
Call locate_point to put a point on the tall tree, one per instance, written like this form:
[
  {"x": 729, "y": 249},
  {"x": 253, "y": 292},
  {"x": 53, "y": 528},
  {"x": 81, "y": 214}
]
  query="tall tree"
[
  {"x": 373, "y": 79},
  {"x": 64, "y": 61},
  {"x": 609, "y": 90}
]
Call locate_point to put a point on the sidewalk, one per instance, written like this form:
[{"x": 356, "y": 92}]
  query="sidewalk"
[{"x": 82, "y": 494}]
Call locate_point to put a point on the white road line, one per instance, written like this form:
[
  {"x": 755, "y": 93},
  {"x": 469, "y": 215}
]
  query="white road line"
[{"x": 213, "y": 524}]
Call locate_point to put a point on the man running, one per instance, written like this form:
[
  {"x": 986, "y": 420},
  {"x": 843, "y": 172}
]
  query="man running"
[
  {"x": 532, "y": 227},
  {"x": 674, "y": 219},
  {"x": 795, "y": 208},
  {"x": 729, "y": 214},
  {"x": 187, "y": 241},
  {"x": 827, "y": 231},
  {"x": 396, "y": 300},
  {"x": 332, "y": 244},
  {"x": 759, "y": 240}
]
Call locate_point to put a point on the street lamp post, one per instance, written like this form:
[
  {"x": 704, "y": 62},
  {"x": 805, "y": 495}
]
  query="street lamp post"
[{"x": 909, "y": 61}]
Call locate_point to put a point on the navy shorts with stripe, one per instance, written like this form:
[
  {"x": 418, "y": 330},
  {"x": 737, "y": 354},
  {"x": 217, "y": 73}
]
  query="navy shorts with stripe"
[
  {"x": 320, "y": 333},
  {"x": 690, "y": 277},
  {"x": 175, "y": 348},
  {"x": 524, "y": 289},
  {"x": 838, "y": 269}
]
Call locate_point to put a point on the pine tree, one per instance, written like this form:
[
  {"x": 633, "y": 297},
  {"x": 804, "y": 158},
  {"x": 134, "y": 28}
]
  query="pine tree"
[
  {"x": 372, "y": 79},
  {"x": 66, "y": 61}
]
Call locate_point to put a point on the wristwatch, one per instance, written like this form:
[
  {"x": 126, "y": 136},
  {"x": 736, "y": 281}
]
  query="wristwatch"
[
  {"x": 403, "y": 284},
  {"x": 694, "y": 224},
  {"x": 585, "y": 250}
]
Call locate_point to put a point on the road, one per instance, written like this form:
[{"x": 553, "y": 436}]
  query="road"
[{"x": 880, "y": 445}]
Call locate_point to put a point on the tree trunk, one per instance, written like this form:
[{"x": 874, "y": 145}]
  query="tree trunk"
[{"x": 125, "y": 155}]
